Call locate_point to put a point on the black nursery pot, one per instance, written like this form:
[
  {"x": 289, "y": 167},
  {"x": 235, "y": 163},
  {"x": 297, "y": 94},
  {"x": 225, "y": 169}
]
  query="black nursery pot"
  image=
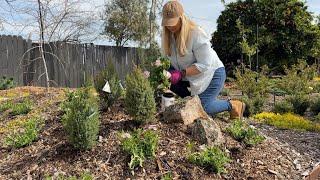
[{"x": 168, "y": 95}]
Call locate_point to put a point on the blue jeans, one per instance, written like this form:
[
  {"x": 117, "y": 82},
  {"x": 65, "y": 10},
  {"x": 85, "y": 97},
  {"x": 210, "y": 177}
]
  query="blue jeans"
[{"x": 209, "y": 99}]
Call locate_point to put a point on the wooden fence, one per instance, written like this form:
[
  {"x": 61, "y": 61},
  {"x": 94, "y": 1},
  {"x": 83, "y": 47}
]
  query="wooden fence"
[{"x": 69, "y": 65}]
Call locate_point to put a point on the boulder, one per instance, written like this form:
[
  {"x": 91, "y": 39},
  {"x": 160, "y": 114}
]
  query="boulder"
[
  {"x": 207, "y": 131},
  {"x": 184, "y": 111}
]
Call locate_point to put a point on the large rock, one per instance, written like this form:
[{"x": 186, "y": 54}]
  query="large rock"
[
  {"x": 190, "y": 112},
  {"x": 185, "y": 111},
  {"x": 207, "y": 131}
]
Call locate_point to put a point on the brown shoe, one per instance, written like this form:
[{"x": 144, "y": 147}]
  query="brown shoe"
[{"x": 237, "y": 110}]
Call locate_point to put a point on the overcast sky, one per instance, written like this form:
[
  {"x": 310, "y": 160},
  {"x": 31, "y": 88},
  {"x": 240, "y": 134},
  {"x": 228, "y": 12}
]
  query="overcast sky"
[{"x": 203, "y": 12}]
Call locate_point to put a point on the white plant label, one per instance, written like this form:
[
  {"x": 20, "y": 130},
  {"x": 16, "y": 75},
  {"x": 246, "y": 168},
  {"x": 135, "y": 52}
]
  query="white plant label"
[{"x": 106, "y": 88}]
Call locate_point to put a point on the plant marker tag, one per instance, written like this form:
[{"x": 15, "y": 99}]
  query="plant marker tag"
[
  {"x": 121, "y": 86},
  {"x": 106, "y": 88}
]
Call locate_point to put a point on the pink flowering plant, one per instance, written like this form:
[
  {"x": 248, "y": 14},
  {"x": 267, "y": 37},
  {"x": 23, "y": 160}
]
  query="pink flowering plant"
[{"x": 159, "y": 75}]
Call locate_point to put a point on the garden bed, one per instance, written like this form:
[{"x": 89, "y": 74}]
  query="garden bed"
[{"x": 282, "y": 155}]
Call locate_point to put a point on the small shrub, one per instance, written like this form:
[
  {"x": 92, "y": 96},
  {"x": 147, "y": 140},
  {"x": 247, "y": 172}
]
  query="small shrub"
[
  {"x": 212, "y": 158},
  {"x": 110, "y": 75},
  {"x": 316, "y": 119},
  {"x": 251, "y": 83},
  {"x": 230, "y": 79},
  {"x": 316, "y": 87},
  {"x": 21, "y": 108},
  {"x": 139, "y": 145},
  {"x": 252, "y": 137},
  {"x": 4, "y": 106},
  {"x": 298, "y": 78},
  {"x": 254, "y": 105},
  {"x": 287, "y": 121},
  {"x": 278, "y": 92},
  {"x": 315, "y": 105},
  {"x": 16, "y": 108},
  {"x": 242, "y": 132},
  {"x": 6, "y": 83},
  {"x": 84, "y": 176},
  {"x": 139, "y": 99},
  {"x": 81, "y": 118},
  {"x": 237, "y": 130},
  {"x": 300, "y": 103},
  {"x": 26, "y": 135},
  {"x": 225, "y": 92},
  {"x": 283, "y": 107},
  {"x": 167, "y": 176}
]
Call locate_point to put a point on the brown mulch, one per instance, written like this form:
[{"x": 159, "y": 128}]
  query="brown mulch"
[{"x": 51, "y": 154}]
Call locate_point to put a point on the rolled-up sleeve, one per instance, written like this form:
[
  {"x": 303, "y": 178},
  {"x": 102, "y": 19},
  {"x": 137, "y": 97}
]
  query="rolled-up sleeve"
[{"x": 202, "y": 51}]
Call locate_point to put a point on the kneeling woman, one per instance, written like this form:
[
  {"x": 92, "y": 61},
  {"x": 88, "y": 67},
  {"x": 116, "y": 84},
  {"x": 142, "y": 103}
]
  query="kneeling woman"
[{"x": 194, "y": 63}]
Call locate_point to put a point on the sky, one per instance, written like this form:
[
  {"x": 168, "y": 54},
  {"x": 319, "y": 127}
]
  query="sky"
[{"x": 204, "y": 12}]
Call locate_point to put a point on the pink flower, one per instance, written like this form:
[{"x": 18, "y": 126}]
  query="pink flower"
[
  {"x": 167, "y": 74},
  {"x": 157, "y": 63},
  {"x": 146, "y": 74}
]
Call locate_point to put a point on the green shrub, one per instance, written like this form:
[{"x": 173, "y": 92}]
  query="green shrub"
[
  {"x": 315, "y": 105},
  {"x": 139, "y": 145},
  {"x": 225, "y": 92},
  {"x": 297, "y": 78},
  {"x": 300, "y": 103},
  {"x": 278, "y": 92},
  {"x": 316, "y": 87},
  {"x": 6, "y": 83},
  {"x": 139, "y": 99},
  {"x": 230, "y": 79},
  {"x": 283, "y": 107},
  {"x": 254, "y": 105},
  {"x": 110, "y": 75},
  {"x": 211, "y": 157},
  {"x": 84, "y": 176},
  {"x": 167, "y": 176},
  {"x": 21, "y": 108},
  {"x": 252, "y": 137},
  {"x": 316, "y": 119},
  {"x": 251, "y": 83},
  {"x": 26, "y": 135},
  {"x": 81, "y": 118},
  {"x": 237, "y": 130},
  {"x": 4, "y": 106},
  {"x": 16, "y": 108},
  {"x": 242, "y": 132}
]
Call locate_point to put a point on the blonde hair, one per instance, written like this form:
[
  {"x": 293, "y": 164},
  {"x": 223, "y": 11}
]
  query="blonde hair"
[{"x": 183, "y": 36}]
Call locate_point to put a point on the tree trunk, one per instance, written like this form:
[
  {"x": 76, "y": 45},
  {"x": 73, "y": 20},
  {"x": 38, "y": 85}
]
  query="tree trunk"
[
  {"x": 151, "y": 19},
  {"x": 42, "y": 44}
]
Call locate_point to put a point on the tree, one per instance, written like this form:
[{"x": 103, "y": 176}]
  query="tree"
[
  {"x": 247, "y": 49},
  {"x": 59, "y": 20},
  {"x": 63, "y": 20},
  {"x": 286, "y": 32},
  {"x": 129, "y": 21},
  {"x": 315, "y": 51}
]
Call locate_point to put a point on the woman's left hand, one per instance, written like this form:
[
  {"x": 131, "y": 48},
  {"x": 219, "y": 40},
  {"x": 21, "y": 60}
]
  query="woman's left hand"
[{"x": 176, "y": 76}]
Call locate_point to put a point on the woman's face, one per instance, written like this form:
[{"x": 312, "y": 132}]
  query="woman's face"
[{"x": 175, "y": 28}]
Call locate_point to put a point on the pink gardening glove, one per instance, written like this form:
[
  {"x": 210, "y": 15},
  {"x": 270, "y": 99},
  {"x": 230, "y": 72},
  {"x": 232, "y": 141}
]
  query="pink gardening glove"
[{"x": 176, "y": 76}]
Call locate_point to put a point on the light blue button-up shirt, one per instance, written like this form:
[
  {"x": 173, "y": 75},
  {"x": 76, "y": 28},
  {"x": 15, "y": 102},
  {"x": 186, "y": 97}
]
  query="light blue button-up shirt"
[{"x": 200, "y": 54}]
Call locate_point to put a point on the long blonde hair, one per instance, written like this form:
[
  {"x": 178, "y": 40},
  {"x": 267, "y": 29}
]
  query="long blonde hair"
[{"x": 183, "y": 37}]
